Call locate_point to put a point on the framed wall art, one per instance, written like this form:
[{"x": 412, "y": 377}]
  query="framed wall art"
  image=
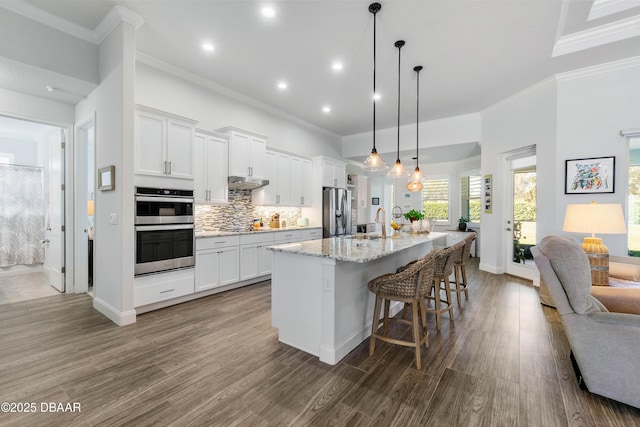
[
  {"x": 107, "y": 178},
  {"x": 588, "y": 176},
  {"x": 487, "y": 190}
]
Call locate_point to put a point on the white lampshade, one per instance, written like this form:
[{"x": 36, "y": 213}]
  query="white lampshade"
[{"x": 594, "y": 218}]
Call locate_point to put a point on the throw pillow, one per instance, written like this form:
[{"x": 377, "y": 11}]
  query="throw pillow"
[{"x": 624, "y": 271}]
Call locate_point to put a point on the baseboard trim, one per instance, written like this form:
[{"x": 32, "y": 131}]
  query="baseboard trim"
[
  {"x": 490, "y": 268},
  {"x": 120, "y": 318}
]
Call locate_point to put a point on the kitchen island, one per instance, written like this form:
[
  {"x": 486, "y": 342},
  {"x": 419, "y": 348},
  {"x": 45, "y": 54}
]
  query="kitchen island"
[{"x": 319, "y": 295}]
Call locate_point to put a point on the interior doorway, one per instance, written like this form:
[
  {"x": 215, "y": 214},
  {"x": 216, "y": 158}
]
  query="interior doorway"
[
  {"x": 520, "y": 224},
  {"x": 32, "y": 235},
  {"x": 84, "y": 198}
]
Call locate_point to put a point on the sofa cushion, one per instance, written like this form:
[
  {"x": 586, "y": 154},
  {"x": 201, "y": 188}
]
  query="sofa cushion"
[
  {"x": 624, "y": 271},
  {"x": 571, "y": 264},
  {"x": 618, "y": 300}
]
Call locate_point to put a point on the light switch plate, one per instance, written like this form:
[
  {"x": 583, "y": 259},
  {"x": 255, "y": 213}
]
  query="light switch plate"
[{"x": 113, "y": 218}]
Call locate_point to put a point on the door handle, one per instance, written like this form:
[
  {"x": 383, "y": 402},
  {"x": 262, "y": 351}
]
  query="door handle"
[
  {"x": 508, "y": 229},
  {"x": 45, "y": 241}
]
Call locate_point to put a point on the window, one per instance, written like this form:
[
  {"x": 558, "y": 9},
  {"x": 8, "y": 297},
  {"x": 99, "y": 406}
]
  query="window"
[
  {"x": 435, "y": 198},
  {"x": 633, "y": 214},
  {"x": 470, "y": 197}
]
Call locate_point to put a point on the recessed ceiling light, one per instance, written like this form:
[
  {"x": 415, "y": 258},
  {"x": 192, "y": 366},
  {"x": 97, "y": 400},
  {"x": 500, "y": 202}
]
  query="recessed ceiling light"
[
  {"x": 326, "y": 109},
  {"x": 207, "y": 47},
  {"x": 282, "y": 85},
  {"x": 52, "y": 89},
  {"x": 337, "y": 66},
  {"x": 268, "y": 12}
]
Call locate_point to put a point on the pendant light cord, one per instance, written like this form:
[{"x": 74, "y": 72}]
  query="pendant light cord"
[
  {"x": 375, "y": 12},
  {"x": 417, "y": 70},
  {"x": 399, "y": 45}
]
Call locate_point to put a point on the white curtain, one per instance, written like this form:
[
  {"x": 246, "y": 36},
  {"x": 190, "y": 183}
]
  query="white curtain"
[{"x": 21, "y": 215}]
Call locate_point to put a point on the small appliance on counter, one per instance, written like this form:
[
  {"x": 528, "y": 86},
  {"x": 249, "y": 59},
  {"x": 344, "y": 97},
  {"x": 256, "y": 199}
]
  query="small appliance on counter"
[{"x": 303, "y": 222}]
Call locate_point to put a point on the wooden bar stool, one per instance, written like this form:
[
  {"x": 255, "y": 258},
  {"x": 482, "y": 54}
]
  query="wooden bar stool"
[
  {"x": 411, "y": 286},
  {"x": 442, "y": 270},
  {"x": 459, "y": 270}
]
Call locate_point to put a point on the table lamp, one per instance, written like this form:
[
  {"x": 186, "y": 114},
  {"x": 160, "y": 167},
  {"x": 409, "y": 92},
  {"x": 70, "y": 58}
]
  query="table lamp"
[
  {"x": 595, "y": 218},
  {"x": 91, "y": 207}
]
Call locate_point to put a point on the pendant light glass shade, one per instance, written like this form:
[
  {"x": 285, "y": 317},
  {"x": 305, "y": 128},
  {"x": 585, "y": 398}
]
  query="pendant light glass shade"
[
  {"x": 398, "y": 170},
  {"x": 374, "y": 162},
  {"x": 415, "y": 180}
]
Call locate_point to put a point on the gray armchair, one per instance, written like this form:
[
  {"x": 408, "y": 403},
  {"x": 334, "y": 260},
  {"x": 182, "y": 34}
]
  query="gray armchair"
[{"x": 605, "y": 345}]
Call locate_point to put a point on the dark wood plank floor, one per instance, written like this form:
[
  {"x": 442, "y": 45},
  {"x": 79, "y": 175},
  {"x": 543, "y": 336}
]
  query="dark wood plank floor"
[{"x": 217, "y": 361}]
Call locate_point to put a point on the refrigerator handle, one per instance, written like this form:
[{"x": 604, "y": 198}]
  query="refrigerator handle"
[{"x": 344, "y": 213}]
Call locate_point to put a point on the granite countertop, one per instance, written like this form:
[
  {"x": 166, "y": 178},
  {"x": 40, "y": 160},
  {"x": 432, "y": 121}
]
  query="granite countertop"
[
  {"x": 218, "y": 233},
  {"x": 355, "y": 249}
]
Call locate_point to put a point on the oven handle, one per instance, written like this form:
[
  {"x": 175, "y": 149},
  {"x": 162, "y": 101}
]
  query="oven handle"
[
  {"x": 164, "y": 227},
  {"x": 163, "y": 199}
]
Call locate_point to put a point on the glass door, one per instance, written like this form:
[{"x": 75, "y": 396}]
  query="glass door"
[{"x": 521, "y": 223}]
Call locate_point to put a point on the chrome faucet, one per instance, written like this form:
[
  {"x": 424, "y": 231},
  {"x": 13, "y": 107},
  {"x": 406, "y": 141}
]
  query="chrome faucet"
[{"x": 384, "y": 221}]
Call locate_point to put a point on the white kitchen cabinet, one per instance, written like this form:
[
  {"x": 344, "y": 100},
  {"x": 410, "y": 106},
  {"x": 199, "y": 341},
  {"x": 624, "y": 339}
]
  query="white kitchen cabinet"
[
  {"x": 163, "y": 144},
  {"x": 153, "y": 288},
  {"x": 246, "y": 152},
  {"x": 211, "y": 167},
  {"x": 277, "y": 171},
  {"x": 301, "y": 181},
  {"x": 306, "y": 180},
  {"x": 310, "y": 234},
  {"x": 334, "y": 173},
  {"x": 255, "y": 259},
  {"x": 217, "y": 262},
  {"x": 287, "y": 236}
]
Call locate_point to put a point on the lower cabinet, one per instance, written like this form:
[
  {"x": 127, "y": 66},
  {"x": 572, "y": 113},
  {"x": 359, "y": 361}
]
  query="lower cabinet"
[
  {"x": 217, "y": 262},
  {"x": 255, "y": 259},
  {"x": 152, "y": 288}
]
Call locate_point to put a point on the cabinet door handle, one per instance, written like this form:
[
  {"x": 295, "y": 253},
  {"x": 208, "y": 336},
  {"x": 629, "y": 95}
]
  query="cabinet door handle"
[
  {"x": 167, "y": 291},
  {"x": 335, "y": 181},
  {"x": 164, "y": 166},
  {"x": 277, "y": 198},
  {"x": 169, "y": 168},
  {"x": 302, "y": 200}
]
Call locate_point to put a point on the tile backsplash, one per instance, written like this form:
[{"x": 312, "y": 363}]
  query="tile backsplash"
[{"x": 240, "y": 213}]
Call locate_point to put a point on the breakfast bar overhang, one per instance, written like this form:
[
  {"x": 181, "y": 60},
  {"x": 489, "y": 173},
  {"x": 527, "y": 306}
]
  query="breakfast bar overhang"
[{"x": 319, "y": 295}]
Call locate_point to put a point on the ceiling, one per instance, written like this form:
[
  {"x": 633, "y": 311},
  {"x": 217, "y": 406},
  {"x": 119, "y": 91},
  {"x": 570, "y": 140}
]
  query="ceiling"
[{"x": 474, "y": 52}]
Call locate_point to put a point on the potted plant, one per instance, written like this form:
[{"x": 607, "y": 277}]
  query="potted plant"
[
  {"x": 462, "y": 223},
  {"x": 414, "y": 215}
]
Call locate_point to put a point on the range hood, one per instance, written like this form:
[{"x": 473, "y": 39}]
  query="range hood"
[{"x": 246, "y": 182}]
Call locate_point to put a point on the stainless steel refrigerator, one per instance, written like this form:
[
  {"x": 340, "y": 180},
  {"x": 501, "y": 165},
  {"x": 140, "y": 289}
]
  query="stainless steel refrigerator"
[{"x": 336, "y": 212}]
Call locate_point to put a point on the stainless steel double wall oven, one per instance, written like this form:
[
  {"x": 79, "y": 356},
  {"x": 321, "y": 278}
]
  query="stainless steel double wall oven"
[{"x": 164, "y": 228}]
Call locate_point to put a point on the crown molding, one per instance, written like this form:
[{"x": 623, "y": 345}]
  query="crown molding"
[
  {"x": 36, "y": 14},
  {"x": 115, "y": 16},
  {"x": 607, "y": 67},
  {"x": 597, "y": 36},
  {"x": 524, "y": 92},
  {"x": 602, "y": 8},
  {"x": 223, "y": 90}
]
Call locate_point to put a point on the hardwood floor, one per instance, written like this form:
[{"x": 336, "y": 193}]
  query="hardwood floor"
[{"x": 217, "y": 361}]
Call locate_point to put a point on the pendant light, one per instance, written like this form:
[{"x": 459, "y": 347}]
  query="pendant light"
[
  {"x": 374, "y": 162},
  {"x": 398, "y": 170},
  {"x": 415, "y": 180}
]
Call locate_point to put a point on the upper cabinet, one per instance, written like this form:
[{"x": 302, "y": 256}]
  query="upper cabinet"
[
  {"x": 163, "y": 145},
  {"x": 246, "y": 152},
  {"x": 290, "y": 181},
  {"x": 211, "y": 166},
  {"x": 334, "y": 173},
  {"x": 301, "y": 179}
]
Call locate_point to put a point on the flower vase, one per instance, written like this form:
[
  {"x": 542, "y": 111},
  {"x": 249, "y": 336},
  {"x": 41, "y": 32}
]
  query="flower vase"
[{"x": 415, "y": 226}]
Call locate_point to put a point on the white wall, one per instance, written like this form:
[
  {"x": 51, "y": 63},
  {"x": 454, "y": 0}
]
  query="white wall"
[
  {"x": 112, "y": 102},
  {"x": 435, "y": 133},
  {"x": 528, "y": 118},
  {"x": 593, "y": 107},
  {"x": 161, "y": 90},
  {"x": 29, "y": 107}
]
